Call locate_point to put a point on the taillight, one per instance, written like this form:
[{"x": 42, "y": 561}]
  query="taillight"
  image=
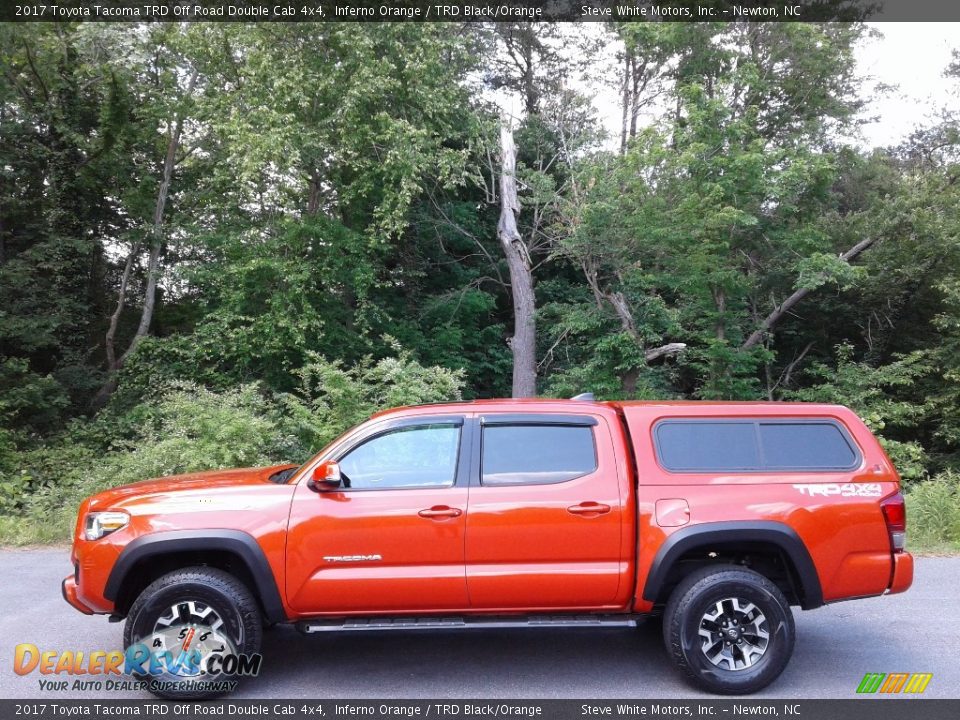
[{"x": 895, "y": 513}]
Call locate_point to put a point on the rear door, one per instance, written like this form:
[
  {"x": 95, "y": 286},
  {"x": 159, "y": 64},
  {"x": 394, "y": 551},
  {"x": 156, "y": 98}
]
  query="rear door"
[{"x": 545, "y": 515}]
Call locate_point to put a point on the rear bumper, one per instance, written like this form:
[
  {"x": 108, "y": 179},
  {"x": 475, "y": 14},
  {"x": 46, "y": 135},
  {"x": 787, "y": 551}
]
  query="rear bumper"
[
  {"x": 902, "y": 577},
  {"x": 69, "y": 590}
]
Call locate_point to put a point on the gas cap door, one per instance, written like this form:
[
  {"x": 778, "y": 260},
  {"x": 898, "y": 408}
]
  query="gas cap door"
[{"x": 672, "y": 512}]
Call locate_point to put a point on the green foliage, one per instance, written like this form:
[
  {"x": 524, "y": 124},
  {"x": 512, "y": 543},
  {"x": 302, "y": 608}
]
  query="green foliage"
[
  {"x": 933, "y": 513},
  {"x": 460, "y": 331},
  {"x": 881, "y": 397},
  {"x": 367, "y": 112},
  {"x": 28, "y": 401},
  {"x": 728, "y": 373},
  {"x": 331, "y": 398},
  {"x": 715, "y": 214},
  {"x": 945, "y": 393},
  {"x": 820, "y": 268},
  {"x": 335, "y": 187},
  {"x": 186, "y": 428},
  {"x": 864, "y": 388},
  {"x": 269, "y": 298}
]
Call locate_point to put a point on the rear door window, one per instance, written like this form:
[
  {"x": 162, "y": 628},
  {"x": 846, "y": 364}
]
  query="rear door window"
[{"x": 536, "y": 454}]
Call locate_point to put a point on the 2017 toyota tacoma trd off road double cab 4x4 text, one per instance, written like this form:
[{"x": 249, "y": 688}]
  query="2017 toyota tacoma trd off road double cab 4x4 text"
[{"x": 717, "y": 516}]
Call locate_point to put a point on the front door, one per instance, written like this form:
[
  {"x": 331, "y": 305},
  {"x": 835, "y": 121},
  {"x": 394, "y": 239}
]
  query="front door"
[{"x": 391, "y": 539}]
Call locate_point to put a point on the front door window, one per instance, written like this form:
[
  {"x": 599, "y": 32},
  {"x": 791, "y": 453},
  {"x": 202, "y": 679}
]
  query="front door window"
[{"x": 422, "y": 456}]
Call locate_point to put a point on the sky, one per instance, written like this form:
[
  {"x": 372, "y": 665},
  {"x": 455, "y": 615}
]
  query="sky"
[{"x": 911, "y": 56}]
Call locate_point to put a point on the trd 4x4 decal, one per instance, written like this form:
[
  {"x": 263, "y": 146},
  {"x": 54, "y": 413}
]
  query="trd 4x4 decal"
[{"x": 844, "y": 490}]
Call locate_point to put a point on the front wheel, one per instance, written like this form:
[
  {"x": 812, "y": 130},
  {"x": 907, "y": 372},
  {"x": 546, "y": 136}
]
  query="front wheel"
[
  {"x": 729, "y": 630},
  {"x": 186, "y": 624}
]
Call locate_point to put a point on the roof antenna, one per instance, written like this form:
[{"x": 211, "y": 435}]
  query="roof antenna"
[{"x": 586, "y": 397}]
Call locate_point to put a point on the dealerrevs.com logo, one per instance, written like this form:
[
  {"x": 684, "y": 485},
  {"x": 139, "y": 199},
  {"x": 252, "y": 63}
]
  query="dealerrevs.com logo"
[{"x": 182, "y": 658}]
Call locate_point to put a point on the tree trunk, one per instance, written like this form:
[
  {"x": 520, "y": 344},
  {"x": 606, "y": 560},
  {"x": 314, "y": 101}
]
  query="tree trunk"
[
  {"x": 621, "y": 306},
  {"x": 624, "y": 122},
  {"x": 313, "y": 197},
  {"x": 664, "y": 350},
  {"x": 153, "y": 264},
  {"x": 720, "y": 303},
  {"x": 524, "y": 342},
  {"x": 634, "y": 95},
  {"x": 590, "y": 273},
  {"x": 113, "y": 364},
  {"x": 783, "y": 308},
  {"x": 121, "y": 301}
]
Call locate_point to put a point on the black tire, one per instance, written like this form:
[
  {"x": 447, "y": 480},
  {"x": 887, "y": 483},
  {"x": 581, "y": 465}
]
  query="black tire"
[
  {"x": 707, "y": 593},
  {"x": 215, "y": 589}
]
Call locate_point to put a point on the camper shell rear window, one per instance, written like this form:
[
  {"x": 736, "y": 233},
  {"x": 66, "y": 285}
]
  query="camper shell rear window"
[{"x": 754, "y": 445}]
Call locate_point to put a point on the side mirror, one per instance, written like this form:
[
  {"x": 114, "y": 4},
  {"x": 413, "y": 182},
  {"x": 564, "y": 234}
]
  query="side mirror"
[{"x": 326, "y": 476}]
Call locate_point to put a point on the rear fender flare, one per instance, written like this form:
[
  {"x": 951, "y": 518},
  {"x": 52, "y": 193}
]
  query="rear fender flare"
[{"x": 777, "y": 534}]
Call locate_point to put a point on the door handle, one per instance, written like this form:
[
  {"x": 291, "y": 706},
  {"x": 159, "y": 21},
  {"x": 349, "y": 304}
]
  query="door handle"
[
  {"x": 440, "y": 511},
  {"x": 589, "y": 509}
]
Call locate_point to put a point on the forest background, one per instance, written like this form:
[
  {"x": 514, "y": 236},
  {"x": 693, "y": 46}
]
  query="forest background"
[{"x": 222, "y": 244}]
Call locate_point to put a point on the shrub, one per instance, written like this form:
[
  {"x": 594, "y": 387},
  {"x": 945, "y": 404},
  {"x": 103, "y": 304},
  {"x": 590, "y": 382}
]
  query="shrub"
[
  {"x": 190, "y": 428},
  {"x": 933, "y": 512},
  {"x": 332, "y": 398},
  {"x": 28, "y": 401},
  {"x": 186, "y": 430}
]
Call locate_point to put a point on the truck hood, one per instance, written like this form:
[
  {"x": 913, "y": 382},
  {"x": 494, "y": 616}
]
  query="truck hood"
[{"x": 211, "y": 480}]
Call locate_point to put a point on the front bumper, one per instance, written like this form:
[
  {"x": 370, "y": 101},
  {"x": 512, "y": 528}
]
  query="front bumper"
[
  {"x": 69, "y": 590},
  {"x": 902, "y": 577}
]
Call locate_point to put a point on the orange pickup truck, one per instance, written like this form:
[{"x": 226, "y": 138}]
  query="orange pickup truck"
[{"x": 716, "y": 516}]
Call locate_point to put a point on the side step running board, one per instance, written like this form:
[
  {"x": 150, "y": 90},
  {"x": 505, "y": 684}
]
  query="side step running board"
[{"x": 462, "y": 623}]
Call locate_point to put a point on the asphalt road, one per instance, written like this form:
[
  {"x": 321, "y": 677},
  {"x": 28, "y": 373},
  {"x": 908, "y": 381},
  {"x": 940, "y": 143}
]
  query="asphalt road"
[{"x": 918, "y": 631}]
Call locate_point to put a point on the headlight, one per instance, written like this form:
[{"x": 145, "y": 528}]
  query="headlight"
[{"x": 98, "y": 524}]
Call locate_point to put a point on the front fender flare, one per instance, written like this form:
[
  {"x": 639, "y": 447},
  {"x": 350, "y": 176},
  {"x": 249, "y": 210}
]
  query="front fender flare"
[{"x": 236, "y": 542}]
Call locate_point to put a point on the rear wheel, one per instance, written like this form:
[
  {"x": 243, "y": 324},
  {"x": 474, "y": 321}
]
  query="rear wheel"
[
  {"x": 193, "y": 614},
  {"x": 729, "y": 630}
]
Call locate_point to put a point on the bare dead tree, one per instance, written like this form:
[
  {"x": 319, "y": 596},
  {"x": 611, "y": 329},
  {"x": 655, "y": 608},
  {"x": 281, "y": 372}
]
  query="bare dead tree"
[{"x": 523, "y": 344}]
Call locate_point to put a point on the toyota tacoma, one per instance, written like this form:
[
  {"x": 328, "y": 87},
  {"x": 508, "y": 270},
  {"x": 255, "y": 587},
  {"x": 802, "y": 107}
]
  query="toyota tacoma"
[{"x": 716, "y": 517}]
